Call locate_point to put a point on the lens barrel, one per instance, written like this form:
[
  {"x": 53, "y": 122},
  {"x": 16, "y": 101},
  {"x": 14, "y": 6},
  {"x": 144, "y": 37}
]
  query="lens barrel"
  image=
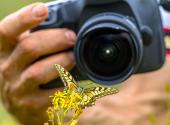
[{"x": 108, "y": 48}]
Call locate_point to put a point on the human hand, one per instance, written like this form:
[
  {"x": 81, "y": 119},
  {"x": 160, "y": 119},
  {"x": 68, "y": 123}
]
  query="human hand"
[{"x": 20, "y": 75}]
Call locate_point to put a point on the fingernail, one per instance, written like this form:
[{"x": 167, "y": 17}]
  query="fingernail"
[
  {"x": 71, "y": 36},
  {"x": 39, "y": 10},
  {"x": 71, "y": 55}
]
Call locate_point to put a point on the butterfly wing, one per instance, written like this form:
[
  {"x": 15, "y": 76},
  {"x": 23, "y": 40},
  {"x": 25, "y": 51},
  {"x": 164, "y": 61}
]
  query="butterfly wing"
[
  {"x": 103, "y": 91},
  {"x": 66, "y": 77},
  {"x": 91, "y": 94}
]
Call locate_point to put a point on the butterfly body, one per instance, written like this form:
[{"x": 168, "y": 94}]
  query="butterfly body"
[{"x": 89, "y": 95}]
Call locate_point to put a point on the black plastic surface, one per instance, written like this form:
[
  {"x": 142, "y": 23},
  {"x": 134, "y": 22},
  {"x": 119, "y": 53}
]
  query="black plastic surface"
[
  {"x": 165, "y": 4},
  {"x": 142, "y": 13}
]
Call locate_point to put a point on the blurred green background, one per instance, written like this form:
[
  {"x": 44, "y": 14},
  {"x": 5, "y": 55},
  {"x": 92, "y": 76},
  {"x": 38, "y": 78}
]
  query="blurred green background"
[{"x": 7, "y": 7}]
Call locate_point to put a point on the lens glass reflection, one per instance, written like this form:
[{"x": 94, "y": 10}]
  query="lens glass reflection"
[{"x": 107, "y": 52}]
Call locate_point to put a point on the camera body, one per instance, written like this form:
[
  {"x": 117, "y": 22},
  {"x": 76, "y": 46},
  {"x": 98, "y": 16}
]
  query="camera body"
[{"x": 115, "y": 38}]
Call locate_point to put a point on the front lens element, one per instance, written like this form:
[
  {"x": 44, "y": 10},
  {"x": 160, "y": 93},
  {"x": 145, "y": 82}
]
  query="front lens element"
[{"x": 107, "y": 52}]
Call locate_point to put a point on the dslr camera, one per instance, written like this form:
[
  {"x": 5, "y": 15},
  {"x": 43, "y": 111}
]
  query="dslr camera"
[{"x": 115, "y": 38}]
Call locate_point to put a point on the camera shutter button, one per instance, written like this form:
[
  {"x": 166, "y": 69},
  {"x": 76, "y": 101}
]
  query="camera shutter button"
[{"x": 146, "y": 35}]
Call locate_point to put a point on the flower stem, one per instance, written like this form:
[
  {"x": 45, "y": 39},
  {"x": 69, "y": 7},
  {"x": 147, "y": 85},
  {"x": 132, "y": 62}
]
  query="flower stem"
[
  {"x": 62, "y": 117},
  {"x": 70, "y": 121},
  {"x": 52, "y": 122},
  {"x": 59, "y": 123}
]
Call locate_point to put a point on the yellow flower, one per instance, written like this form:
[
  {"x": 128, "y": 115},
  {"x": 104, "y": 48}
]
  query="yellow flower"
[
  {"x": 78, "y": 113},
  {"x": 46, "y": 123},
  {"x": 65, "y": 103},
  {"x": 50, "y": 113},
  {"x": 70, "y": 90},
  {"x": 58, "y": 96}
]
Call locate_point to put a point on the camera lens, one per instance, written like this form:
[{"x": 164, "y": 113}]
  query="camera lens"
[
  {"x": 107, "y": 52},
  {"x": 108, "y": 49}
]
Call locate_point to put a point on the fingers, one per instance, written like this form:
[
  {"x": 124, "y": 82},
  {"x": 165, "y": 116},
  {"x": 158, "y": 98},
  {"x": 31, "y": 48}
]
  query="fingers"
[
  {"x": 44, "y": 71},
  {"x": 36, "y": 45},
  {"x": 24, "y": 19},
  {"x": 26, "y": 91},
  {"x": 24, "y": 35},
  {"x": 12, "y": 26},
  {"x": 41, "y": 101}
]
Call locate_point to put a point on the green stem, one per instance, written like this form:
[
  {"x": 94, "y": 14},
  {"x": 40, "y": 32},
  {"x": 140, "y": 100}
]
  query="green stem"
[
  {"x": 70, "y": 121},
  {"x": 52, "y": 122},
  {"x": 62, "y": 117},
  {"x": 59, "y": 123}
]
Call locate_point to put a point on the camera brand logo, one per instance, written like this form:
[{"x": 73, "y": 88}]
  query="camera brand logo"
[{"x": 167, "y": 41}]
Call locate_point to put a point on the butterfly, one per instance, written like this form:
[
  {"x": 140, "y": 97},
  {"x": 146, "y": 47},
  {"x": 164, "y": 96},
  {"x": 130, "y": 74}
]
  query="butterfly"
[{"x": 89, "y": 95}]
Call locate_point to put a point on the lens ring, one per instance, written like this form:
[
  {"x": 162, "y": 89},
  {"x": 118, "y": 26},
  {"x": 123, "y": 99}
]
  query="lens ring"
[{"x": 114, "y": 22}]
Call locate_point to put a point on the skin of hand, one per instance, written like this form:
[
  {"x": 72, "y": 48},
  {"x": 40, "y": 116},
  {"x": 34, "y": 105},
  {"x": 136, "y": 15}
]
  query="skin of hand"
[{"x": 20, "y": 75}]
